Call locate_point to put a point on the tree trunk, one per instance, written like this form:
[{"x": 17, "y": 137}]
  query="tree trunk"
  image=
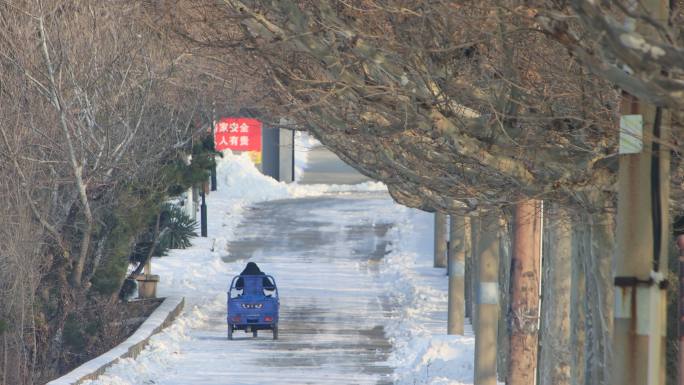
[
  {"x": 475, "y": 225},
  {"x": 578, "y": 299},
  {"x": 440, "y": 239},
  {"x": 468, "y": 292},
  {"x": 555, "y": 357},
  {"x": 504, "y": 335},
  {"x": 77, "y": 273},
  {"x": 155, "y": 241},
  {"x": 525, "y": 293},
  {"x": 488, "y": 298},
  {"x": 598, "y": 275},
  {"x": 76, "y": 167},
  {"x": 456, "y": 274}
]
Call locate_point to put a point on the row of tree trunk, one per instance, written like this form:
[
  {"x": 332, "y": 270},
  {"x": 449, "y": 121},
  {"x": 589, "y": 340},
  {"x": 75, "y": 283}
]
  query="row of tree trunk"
[{"x": 497, "y": 279}]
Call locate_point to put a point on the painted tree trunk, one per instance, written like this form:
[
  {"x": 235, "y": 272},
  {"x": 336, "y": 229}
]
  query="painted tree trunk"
[
  {"x": 456, "y": 274},
  {"x": 487, "y": 302}
]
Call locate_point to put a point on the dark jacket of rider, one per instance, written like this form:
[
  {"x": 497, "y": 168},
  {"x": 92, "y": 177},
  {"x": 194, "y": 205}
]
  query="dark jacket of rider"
[{"x": 253, "y": 269}]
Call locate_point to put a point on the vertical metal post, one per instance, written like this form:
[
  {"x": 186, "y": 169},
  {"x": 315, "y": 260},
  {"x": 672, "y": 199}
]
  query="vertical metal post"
[
  {"x": 270, "y": 159},
  {"x": 203, "y": 215},
  {"x": 456, "y": 274},
  {"x": 487, "y": 302},
  {"x": 213, "y": 177},
  {"x": 440, "y": 239}
]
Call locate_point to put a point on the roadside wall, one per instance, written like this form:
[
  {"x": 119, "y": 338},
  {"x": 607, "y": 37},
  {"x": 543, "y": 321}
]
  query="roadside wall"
[{"x": 156, "y": 322}]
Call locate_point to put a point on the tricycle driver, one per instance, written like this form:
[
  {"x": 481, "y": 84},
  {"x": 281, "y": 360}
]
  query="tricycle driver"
[{"x": 253, "y": 269}]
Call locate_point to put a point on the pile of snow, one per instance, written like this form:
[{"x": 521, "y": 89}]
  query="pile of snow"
[
  {"x": 423, "y": 353},
  {"x": 304, "y": 143},
  {"x": 240, "y": 180},
  {"x": 161, "y": 355}
]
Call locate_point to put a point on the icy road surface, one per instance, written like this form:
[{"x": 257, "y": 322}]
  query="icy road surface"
[{"x": 324, "y": 253}]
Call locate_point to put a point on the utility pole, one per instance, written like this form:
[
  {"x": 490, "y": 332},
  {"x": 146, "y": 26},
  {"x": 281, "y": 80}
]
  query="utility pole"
[
  {"x": 456, "y": 274},
  {"x": 643, "y": 221},
  {"x": 525, "y": 276},
  {"x": 487, "y": 301},
  {"x": 440, "y": 239}
]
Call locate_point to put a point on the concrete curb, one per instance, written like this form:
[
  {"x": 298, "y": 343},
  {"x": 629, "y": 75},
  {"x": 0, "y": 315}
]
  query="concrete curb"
[{"x": 156, "y": 322}]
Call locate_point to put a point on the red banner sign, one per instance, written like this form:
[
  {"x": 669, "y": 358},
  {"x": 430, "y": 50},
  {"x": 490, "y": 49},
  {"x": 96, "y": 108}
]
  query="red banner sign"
[{"x": 240, "y": 134}]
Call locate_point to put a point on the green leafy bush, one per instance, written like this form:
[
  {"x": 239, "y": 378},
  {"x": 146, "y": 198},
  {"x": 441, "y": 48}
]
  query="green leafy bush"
[{"x": 178, "y": 229}]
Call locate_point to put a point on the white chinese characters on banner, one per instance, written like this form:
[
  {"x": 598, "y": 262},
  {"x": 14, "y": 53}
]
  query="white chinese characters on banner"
[
  {"x": 240, "y": 134},
  {"x": 241, "y": 141}
]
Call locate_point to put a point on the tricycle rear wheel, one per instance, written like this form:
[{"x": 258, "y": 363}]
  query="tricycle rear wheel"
[
  {"x": 254, "y": 333},
  {"x": 230, "y": 332},
  {"x": 275, "y": 332}
]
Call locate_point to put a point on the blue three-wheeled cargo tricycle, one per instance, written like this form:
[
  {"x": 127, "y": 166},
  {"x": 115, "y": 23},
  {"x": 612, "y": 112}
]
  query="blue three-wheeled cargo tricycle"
[{"x": 253, "y": 305}]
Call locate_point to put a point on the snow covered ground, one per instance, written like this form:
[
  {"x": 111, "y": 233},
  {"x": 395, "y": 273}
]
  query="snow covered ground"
[{"x": 356, "y": 295}]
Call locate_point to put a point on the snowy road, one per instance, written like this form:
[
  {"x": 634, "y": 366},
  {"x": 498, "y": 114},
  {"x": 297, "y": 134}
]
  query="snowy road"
[
  {"x": 325, "y": 167},
  {"x": 324, "y": 253},
  {"x": 360, "y": 300}
]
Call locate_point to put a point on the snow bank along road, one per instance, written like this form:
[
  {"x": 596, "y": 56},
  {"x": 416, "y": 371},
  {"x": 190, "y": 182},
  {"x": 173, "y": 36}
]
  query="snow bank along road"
[{"x": 360, "y": 303}]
